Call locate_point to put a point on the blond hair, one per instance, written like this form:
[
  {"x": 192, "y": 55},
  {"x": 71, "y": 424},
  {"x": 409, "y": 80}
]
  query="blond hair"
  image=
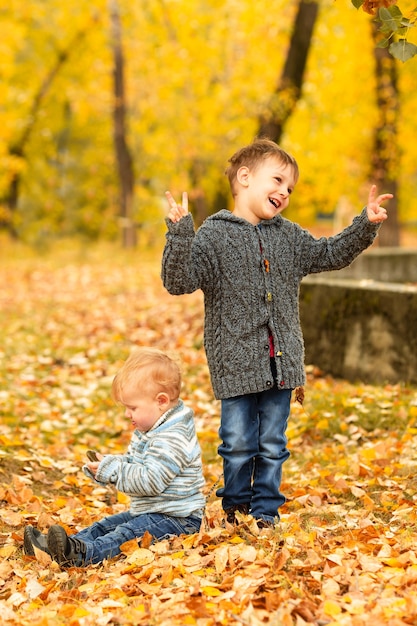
[
  {"x": 255, "y": 153},
  {"x": 149, "y": 370}
]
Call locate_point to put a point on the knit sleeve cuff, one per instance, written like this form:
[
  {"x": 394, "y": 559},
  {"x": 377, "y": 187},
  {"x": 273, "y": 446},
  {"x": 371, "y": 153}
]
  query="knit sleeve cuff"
[
  {"x": 364, "y": 220},
  {"x": 107, "y": 471},
  {"x": 90, "y": 474},
  {"x": 183, "y": 228}
]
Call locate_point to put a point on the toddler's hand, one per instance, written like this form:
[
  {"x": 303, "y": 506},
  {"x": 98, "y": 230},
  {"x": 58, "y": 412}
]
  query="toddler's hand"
[
  {"x": 377, "y": 213},
  {"x": 94, "y": 458},
  {"x": 93, "y": 467},
  {"x": 177, "y": 211}
]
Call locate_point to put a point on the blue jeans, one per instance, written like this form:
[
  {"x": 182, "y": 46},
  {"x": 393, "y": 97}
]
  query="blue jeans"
[
  {"x": 104, "y": 538},
  {"x": 254, "y": 448}
]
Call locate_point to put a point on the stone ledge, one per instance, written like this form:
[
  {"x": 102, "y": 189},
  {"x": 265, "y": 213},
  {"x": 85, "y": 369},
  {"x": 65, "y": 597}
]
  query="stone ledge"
[
  {"x": 360, "y": 329},
  {"x": 396, "y": 265}
]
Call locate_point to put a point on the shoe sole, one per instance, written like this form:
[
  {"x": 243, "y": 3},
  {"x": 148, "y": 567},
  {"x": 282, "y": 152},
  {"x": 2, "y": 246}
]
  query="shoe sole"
[{"x": 27, "y": 542}]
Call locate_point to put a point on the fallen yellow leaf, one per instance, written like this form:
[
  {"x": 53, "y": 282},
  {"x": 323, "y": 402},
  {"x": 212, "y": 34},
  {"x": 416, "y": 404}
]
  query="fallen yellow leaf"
[
  {"x": 141, "y": 556},
  {"x": 330, "y": 607},
  {"x": 7, "y": 551},
  {"x": 211, "y": 591}
]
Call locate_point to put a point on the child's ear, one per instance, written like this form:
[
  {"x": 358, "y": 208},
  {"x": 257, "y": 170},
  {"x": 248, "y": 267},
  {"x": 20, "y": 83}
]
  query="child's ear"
[
  {"x": 242, "y": 176},
  {"x": 163, "y": 400}
]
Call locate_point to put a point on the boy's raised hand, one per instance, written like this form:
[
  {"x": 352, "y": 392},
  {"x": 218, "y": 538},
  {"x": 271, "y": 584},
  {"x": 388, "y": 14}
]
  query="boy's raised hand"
[
  {"x": 377, "y": 213},
  {"x": 177, "y": 211}
]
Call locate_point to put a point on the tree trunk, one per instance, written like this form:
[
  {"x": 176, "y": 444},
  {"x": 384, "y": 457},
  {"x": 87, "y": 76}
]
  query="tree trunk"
[
  {"x": 19, "y": 147},
  {"x": 289, "y": 86},
  {"x": 385, "y": 154},
  {"x": 123, "y": 156},
  {"x": 288, "y": 90}
]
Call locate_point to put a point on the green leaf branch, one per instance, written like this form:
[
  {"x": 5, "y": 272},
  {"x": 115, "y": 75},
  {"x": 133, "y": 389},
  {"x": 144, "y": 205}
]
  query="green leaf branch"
[{"x": 394, "y": 26}]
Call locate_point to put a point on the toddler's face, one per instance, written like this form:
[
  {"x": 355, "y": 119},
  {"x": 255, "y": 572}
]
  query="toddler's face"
[{"x": 143, "y": 409}]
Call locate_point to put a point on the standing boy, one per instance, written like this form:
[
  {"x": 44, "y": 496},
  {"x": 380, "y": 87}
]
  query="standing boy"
[
  {"x": 161, "y": 471},
  {"x": 249, "y": 263}
]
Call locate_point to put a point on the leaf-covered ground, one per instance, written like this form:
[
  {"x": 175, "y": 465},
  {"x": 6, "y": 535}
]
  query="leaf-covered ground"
[{"x": 345, "y": 551}]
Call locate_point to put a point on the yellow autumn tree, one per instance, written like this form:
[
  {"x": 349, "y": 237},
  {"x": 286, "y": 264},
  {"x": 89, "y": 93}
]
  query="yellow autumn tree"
[{"x": 198, "y": 75}]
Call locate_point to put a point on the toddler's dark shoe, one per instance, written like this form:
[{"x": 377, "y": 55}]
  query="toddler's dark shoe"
[
  {"x": 67, "y": 551},
  {"x": 230, "y": 512},
  {"x": 32, "y": 539}
]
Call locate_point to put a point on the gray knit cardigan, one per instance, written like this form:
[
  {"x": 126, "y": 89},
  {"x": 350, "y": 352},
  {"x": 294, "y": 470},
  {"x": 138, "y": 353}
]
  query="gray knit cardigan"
[{"x": 250, "y": 276}]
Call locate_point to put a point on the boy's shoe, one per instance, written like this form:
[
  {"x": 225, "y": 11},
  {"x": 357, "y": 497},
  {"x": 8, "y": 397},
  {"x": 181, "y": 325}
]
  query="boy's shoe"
[
  {"x": 67, "y": 551},
  {"x": 263, "y": 523},
  {"x": 33, "y": 538},
  {"x": 230, "y": 512}
]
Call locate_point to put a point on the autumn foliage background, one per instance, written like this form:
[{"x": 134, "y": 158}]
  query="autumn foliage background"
[
  {"x": 198, "y": 74},
  {"x": 345, "y": 550}
]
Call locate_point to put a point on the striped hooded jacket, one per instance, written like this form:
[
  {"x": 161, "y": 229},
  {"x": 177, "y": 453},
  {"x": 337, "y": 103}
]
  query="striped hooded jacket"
[{"x": 162, "y": 469}]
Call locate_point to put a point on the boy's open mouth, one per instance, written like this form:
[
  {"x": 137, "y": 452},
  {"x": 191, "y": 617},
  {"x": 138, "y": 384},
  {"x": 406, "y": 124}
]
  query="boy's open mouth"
[{"x": 274, "y": 202}]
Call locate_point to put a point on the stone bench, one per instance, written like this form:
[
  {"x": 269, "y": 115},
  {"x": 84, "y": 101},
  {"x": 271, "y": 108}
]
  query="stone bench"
[
  {"x": 360, "y": 330},
  {"x": 393, "y": 265}
]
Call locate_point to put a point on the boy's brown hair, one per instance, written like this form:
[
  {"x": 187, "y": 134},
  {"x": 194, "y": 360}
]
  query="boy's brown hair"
[
  {"x": 253, "y": 154},
  {"x": 150, "y": 371}
]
